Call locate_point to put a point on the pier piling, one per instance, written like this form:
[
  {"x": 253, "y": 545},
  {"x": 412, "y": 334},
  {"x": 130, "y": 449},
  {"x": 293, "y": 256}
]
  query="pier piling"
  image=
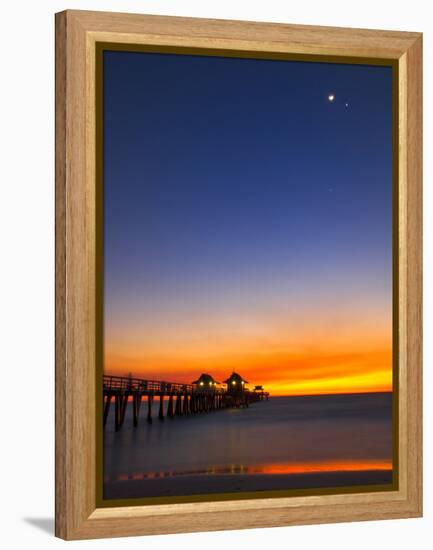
[
  {"x": 161, "y": 406},
  {"x": 170, "y": 412},
  {"x": 149, "y": 408}
]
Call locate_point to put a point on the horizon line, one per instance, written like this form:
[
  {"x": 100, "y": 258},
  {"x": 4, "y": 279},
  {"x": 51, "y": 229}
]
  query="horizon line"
[{"x": 269, "y": 391}]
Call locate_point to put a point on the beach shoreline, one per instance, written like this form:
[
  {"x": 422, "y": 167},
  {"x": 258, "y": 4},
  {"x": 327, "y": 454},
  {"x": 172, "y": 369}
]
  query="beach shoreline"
[{"x": 232, "y": 483}]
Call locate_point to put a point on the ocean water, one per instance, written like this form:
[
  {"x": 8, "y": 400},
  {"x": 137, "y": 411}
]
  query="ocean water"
[{"x": 283, "y": 436}]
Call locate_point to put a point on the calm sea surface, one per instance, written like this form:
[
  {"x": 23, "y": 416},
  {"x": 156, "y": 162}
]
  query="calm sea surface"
[{"x": 283, "y": 436}]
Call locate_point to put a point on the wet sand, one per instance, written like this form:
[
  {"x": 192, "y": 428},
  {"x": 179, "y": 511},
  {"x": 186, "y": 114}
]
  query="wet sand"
[{"x": 200, "y": 484}]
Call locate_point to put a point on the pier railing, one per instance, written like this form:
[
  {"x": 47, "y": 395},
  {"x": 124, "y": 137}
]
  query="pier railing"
[{"x": 127, "y": 383}]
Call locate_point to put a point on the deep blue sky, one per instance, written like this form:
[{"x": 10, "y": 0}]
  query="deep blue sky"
[{"x": 228, "y": 178}]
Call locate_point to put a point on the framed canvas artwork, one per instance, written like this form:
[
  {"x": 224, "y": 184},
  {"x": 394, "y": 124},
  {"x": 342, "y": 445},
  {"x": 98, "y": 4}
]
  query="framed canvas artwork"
[{"x": 238, "y": 284}]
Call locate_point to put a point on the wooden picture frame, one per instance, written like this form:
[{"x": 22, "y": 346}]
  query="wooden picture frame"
[{"x": 78, "y": 33}]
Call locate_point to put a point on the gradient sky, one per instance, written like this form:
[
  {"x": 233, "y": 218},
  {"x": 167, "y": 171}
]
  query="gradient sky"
[{"x": 248, "y": 221}]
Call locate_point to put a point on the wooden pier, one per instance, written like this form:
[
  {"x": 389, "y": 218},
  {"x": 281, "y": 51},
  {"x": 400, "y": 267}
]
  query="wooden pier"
[{"x": 182, "y": 399}]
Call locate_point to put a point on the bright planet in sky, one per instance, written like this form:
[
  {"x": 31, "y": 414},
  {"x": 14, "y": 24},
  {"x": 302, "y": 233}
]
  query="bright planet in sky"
[{"x": 331, "y": 97}]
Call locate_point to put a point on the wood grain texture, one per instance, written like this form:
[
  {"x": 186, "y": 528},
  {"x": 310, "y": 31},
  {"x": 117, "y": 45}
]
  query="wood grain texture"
[
  {"x": 77, "y": 32},
  {"x": 249, "y": 35},
  {"x": 414, "y": 271},
  {"x": 75, "y": 343},
  {"x": 60, "y": 247}
]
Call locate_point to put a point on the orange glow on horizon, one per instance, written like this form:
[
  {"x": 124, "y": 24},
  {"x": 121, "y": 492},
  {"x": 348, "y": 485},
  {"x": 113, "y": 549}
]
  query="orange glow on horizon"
[
  {"x": 322, "y": 349},
  {"x": 280, "y": 374}
]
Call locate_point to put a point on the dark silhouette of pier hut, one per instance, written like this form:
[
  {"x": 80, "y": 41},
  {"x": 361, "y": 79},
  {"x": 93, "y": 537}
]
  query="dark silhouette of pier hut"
[
  {"x": 235, "y": 383},
  {"x": 236, "y": 390},
  {"x": 260, "y": 392},
  {"x": 206, "y": 382}
]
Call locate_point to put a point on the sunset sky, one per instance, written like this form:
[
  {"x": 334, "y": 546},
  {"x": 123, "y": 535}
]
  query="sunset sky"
[{"x": 248, "y": 221}]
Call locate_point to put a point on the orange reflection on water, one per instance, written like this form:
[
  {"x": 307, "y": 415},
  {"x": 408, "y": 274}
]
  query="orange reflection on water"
[
  {"x": 269, "y": 469},
  {"x": 317, "y": 467}
]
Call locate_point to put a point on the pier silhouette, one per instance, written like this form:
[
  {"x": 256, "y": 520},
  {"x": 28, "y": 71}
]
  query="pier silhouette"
[{"x": 202, "y": 396}]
